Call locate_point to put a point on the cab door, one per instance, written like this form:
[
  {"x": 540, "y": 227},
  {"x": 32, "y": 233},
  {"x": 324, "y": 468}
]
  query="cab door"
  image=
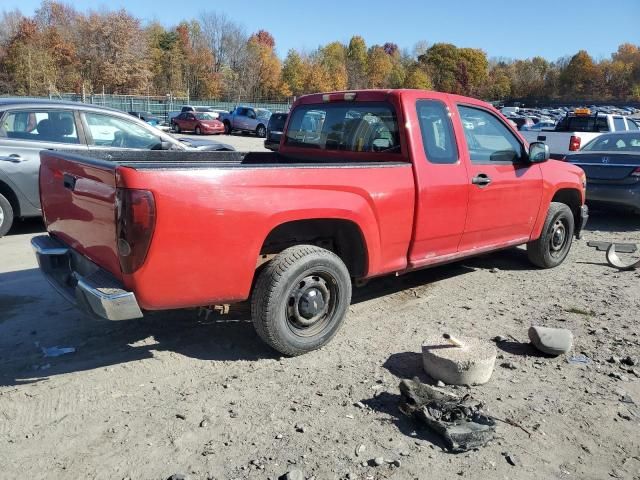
[{"x": 505, "y": 189}]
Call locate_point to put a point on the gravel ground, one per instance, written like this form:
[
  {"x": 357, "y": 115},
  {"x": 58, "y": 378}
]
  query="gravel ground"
[{"x": 178, "y": 393}]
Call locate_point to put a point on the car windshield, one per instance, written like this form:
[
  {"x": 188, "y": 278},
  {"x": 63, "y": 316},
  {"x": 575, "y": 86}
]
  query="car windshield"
[
  {"x": 262, "y": 113},
  {"x": 204, "y": 116},
  {"x": 614, "y": 143}
]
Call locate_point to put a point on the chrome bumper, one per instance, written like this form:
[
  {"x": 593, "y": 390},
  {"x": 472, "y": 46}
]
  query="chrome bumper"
[{"x": 82, "y": 282}]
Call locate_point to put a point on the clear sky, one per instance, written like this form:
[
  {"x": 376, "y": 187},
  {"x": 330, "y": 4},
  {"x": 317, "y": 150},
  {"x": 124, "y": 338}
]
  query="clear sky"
[{"x": 502, "y": 28}]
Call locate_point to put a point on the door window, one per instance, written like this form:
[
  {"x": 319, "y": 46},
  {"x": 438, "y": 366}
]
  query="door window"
[
  {"x": 108, "y": 131},
  {"x": 488, "y": 139},
  {"x": 618, "y": 123},
  {"x": 437, "y": 132},
  {"x": 57, "y": 126}
]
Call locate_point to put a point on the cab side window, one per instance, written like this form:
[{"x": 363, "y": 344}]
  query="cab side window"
[
  {"x": 58, "y": 126},
  {"x": 438, "y": 138},
  {"x": 488, "y": 139}
]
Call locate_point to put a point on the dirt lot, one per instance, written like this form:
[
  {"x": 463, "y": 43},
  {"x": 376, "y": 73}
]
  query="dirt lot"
[{"x": 174, "y": 393}]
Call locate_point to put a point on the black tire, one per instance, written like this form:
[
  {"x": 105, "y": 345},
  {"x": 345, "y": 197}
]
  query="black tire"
[
  {"x": 283, "y": 307},
  {"x": 227, "y": 128},
  {"x": 176, "y": 128},
  {"x": 198, "y": 131},
  {"x": 261, "y": 131},
  {"x": 6, "y": 216},
  {"x": 554, "y": 243}
]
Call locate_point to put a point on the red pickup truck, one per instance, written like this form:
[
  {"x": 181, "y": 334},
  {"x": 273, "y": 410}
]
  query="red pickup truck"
[{"x": 365, "y": 183}]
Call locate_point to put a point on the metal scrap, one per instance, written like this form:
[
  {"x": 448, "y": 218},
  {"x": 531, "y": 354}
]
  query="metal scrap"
[
  {"x": 613, "y": 249},
  {"x": 616, "y": 262},
  {"x": 459, "y": 421}
]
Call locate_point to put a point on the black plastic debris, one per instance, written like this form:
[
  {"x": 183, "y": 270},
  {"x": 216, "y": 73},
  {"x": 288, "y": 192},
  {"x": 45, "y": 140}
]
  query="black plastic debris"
[{"x": 460, "y": 421}]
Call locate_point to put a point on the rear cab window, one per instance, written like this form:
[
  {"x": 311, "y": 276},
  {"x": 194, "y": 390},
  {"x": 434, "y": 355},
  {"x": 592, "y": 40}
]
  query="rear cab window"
[
  {"x": 365, "y": 127},
  {"x": 277, "y": 121}
]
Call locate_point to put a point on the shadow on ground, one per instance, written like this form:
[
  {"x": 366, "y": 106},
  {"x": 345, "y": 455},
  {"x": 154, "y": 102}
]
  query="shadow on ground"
[{"x": 27, "y": 226}]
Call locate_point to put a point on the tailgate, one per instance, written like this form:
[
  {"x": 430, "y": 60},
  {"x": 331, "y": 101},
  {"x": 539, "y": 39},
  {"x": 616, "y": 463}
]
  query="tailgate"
[
  {"x": 79, "y": 206},
  {"x": 607, "y": 166}
]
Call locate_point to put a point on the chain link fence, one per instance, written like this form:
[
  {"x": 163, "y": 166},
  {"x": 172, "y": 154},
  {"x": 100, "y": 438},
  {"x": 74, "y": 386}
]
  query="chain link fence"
[{"x": 160, "y": 106}]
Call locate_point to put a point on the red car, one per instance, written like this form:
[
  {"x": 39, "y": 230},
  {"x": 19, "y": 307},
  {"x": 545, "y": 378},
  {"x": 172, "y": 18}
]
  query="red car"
[
  {"x": 365, "y": 183},
  {"x": 199, "y": 122}
]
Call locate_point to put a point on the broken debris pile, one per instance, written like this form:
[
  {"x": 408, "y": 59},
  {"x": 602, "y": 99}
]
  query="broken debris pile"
[{"x": 459, "y": 421}]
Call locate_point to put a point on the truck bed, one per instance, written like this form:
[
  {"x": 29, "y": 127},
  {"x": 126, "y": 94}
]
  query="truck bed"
[{"x": 213, "y": 210}]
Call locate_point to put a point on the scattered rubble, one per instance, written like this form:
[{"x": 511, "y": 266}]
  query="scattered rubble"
[{"x": 459, "y": 421}]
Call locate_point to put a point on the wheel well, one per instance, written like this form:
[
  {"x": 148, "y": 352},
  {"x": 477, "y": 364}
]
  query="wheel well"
[
  {"x": 342, "y": 237},
  {"x": 572, "y": 199},
  {"x": 11, "y": 197}
]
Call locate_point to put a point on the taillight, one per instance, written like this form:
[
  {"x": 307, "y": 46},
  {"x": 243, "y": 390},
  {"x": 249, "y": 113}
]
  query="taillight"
[
  {"x": 636, "y": 172},
  {"x": 574, "y": 143},
  {"x": 136, "y": 220}
]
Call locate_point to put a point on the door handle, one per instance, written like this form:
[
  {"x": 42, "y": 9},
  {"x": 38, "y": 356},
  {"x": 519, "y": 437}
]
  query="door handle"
[
  {"x": 482, "y": 180},
  {"x": 13, "y": 158}
]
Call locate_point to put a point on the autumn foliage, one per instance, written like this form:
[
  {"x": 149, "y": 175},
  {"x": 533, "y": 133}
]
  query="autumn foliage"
[{"x": 60, "y": 49}]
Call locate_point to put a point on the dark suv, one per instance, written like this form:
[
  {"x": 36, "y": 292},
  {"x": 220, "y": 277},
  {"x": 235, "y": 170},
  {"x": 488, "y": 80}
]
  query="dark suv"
[{"x": 274, "y": 131}]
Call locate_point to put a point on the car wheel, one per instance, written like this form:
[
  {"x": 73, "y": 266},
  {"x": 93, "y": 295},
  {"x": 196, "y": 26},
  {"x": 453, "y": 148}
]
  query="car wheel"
[
  {"x": 261, "y": 131},
  {"x": 300, "y": 299},
  {"x": 554, "y": 243},
  {"x": 176, "y": 128},
  {"x": 6, "y": 216},
  {"x": 198, "y": 131},
  {"x": 227, "y": 128}
]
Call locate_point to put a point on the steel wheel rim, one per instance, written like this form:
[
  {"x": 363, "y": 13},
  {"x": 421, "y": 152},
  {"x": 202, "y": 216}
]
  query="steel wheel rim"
[
  {"x": 311, "y": 303},
  {"x": 558, "y": 239},
  {"x": 261, "y": 132}
]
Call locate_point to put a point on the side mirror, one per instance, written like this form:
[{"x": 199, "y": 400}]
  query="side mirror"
[{"x": 539, "y": 152}]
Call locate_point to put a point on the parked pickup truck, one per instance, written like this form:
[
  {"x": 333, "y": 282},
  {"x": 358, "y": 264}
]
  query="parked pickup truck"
[
  {"x": 576, "y": 130},
  {"x": 246, "y": 119},
  {"x": 366, "y": 183}
]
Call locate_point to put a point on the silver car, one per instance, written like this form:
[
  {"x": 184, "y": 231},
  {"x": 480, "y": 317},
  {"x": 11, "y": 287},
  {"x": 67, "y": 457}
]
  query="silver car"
[{"x": 28, "y": 126}]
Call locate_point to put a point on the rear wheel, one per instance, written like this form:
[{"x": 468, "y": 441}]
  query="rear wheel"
[
  {"x": 261, "y": 131},
  {"x": 554, "y": 243},
  {"x": 300, "y": 299},
  {"x": 6, "y": 215}
]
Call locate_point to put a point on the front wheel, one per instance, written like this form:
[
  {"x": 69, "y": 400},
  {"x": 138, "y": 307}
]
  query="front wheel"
[
  {"x": 300, "y": 299},
  {"x": 227, "y": 128},
  {"x": 198, "y": 131},
  {"x": 6, "y": 215},
  {"x": 176, "y": 128},
  {"x": 261, "y": 131},
  {"x": 554, "y": 243}
]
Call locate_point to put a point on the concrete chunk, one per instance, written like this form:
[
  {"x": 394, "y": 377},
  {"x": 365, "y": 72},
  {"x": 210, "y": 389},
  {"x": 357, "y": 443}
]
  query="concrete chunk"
[
  {"x": 471, "y": 364},
  {"x": 553, "y": 341}
]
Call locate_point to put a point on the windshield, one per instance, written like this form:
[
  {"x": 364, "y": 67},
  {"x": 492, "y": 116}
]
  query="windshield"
[
  {"x": 614, "y": 143},
  {"x": 262, "y": 113},
  {"x": 204, "y": 116}
]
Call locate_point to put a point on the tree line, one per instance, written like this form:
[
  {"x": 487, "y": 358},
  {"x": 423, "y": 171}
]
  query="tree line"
[{"x": 62, "y": 50}]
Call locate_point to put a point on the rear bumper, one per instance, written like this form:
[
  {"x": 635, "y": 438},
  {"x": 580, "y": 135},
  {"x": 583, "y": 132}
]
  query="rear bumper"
[
  {"x": 82, "y": 282},
  {"x": 620, "y": 195}
]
